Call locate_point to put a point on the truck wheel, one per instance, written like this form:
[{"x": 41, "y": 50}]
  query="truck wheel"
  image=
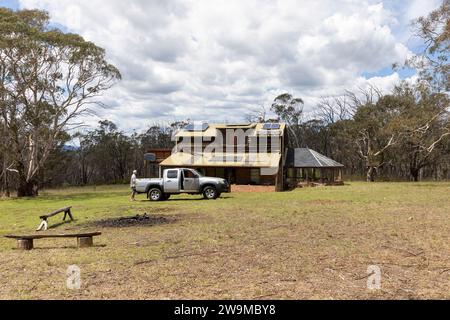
[
  {"x": 155, "y": 194},
  {"x": 210, "y": 193}
]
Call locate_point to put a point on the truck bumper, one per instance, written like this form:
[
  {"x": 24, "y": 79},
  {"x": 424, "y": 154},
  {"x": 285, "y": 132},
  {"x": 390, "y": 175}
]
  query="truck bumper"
[{"x": 224, "y": 188}]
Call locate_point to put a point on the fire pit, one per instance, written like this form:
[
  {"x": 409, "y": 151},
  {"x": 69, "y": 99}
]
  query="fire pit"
[{"x": 131, "y": 221}]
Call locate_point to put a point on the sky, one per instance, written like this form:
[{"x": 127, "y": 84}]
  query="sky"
[{"x": 218, "y": 61}]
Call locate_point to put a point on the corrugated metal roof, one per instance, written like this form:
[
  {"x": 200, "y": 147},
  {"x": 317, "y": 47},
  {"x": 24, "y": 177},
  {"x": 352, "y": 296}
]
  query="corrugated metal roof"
[
  {"x": 307, "y": 158},
  {"x": 211, "y": 131},
  {"x": 250, "y": 160}
]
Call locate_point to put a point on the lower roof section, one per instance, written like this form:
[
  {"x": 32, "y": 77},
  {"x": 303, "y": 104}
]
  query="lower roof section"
[{"x": 249, "y": 160}]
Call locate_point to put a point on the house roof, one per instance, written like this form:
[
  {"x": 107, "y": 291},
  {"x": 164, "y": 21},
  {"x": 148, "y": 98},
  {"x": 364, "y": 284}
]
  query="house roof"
[
  {"x": 307, "y": 158},
  {"x": 249, "y": 160},
  {"x": 211, "y": 130}
]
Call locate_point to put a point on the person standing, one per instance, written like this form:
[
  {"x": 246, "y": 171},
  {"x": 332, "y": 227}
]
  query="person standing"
[{"x": 133, "y": 185}]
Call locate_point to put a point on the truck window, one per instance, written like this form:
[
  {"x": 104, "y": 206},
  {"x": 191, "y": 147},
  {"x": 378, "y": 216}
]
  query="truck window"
[
  {"x": 189, "y": 174},
  {"x": 172, "y": 174}
]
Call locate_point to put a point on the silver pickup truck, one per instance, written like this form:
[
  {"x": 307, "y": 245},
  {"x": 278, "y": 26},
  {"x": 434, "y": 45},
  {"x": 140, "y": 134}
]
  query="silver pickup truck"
[{"x": 181, "y": 180}]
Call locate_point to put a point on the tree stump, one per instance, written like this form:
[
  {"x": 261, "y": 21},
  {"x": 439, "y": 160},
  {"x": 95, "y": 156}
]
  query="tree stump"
[
  {"x": 85, "y": 242},
  {"x": 25, "y": 244}
]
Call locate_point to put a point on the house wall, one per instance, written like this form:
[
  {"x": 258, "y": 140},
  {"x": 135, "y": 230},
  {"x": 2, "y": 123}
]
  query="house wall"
[
  {"x": 161, "y": 154},
  {"x": 151, "y": 169}
]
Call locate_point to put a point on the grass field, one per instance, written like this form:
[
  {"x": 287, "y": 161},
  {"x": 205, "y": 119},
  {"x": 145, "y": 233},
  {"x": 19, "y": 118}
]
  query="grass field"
[{"x": 311, "y": 243}]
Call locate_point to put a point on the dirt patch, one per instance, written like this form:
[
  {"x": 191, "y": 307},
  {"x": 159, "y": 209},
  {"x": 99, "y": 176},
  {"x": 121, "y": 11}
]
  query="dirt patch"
[{"x": 132, "y": 221}]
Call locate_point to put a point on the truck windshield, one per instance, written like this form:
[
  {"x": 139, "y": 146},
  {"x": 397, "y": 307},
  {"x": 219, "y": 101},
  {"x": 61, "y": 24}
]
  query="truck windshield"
[{"x": 197, "y": 173}]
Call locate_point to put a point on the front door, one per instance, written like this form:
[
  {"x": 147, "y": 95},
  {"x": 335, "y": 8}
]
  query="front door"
[{"x": 190, "y": 181}]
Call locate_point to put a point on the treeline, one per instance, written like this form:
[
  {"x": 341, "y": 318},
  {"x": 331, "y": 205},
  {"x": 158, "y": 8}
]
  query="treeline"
[
  {"x": 104, "y": 155},
  {"x": 404, "y": 135}
]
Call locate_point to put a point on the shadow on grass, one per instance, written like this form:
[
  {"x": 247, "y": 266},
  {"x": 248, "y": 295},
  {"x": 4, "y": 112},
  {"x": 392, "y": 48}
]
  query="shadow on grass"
[
  {"x": 73, "y": 197},
  {"x": 185, "y": 199},
  {"x": 74, "y": 247},
  {"x": 56, "y": 225}
]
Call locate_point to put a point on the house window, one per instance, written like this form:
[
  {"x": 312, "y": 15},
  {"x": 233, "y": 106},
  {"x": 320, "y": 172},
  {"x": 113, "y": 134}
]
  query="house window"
[{"x": 255, "y": 176}]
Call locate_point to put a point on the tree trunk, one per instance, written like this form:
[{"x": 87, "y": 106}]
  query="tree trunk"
[
  {"x": 5, "y": 181},
  {"x": 27, "y": 189},
  {"x": 415, "y": 174},
  {"x": 371, "y": 172}
]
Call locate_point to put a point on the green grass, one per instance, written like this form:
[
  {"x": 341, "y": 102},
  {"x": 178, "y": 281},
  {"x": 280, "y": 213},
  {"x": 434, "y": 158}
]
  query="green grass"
[{"x": 308, "y": 243}]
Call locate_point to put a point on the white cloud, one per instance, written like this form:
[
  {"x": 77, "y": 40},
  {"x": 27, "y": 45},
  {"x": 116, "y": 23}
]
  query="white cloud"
[
  {"x": 418, "y": 8},
  {"x": 206, "y": 59}
]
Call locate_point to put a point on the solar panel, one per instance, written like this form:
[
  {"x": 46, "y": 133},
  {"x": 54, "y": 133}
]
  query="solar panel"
[
  {"x": 275, "y": 126},
  {"x": 271, "y": 126},
  {"x": 196, "y": 127}
]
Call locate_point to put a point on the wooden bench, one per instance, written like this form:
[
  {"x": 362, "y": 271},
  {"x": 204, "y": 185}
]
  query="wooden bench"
[
  {"x": 44, "y": 224},
  {"x": 83, "y": 239}
]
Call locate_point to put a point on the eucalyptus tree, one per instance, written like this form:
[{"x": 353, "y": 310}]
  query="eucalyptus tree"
[
  {"x": 374, "y": 129},
  {"x": 434, "y": 30},
  {"x": 290, "y": 110},
  {"x": 426, "y": 125},
  {"x": 49, "y": 79}
]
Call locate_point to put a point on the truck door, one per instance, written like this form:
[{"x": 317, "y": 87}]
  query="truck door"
[
  {"x": 190, "y": 181},
  {"x": 172, "y": 181}
]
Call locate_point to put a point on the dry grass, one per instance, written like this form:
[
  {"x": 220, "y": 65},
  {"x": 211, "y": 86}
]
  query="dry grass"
[{"x": 311, "y": 243}]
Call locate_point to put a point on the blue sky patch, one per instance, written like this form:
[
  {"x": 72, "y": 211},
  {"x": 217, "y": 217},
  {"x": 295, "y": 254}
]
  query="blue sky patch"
[{"x": 13, "y": 4}]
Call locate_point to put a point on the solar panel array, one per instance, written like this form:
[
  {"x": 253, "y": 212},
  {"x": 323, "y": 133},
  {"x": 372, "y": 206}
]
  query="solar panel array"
[
  {"x": 271, "y": 126},
  {"x": 196, "y": 127}
]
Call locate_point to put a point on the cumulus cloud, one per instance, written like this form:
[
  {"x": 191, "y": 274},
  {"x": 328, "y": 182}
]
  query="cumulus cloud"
[{"x": 208, "y": 59}]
